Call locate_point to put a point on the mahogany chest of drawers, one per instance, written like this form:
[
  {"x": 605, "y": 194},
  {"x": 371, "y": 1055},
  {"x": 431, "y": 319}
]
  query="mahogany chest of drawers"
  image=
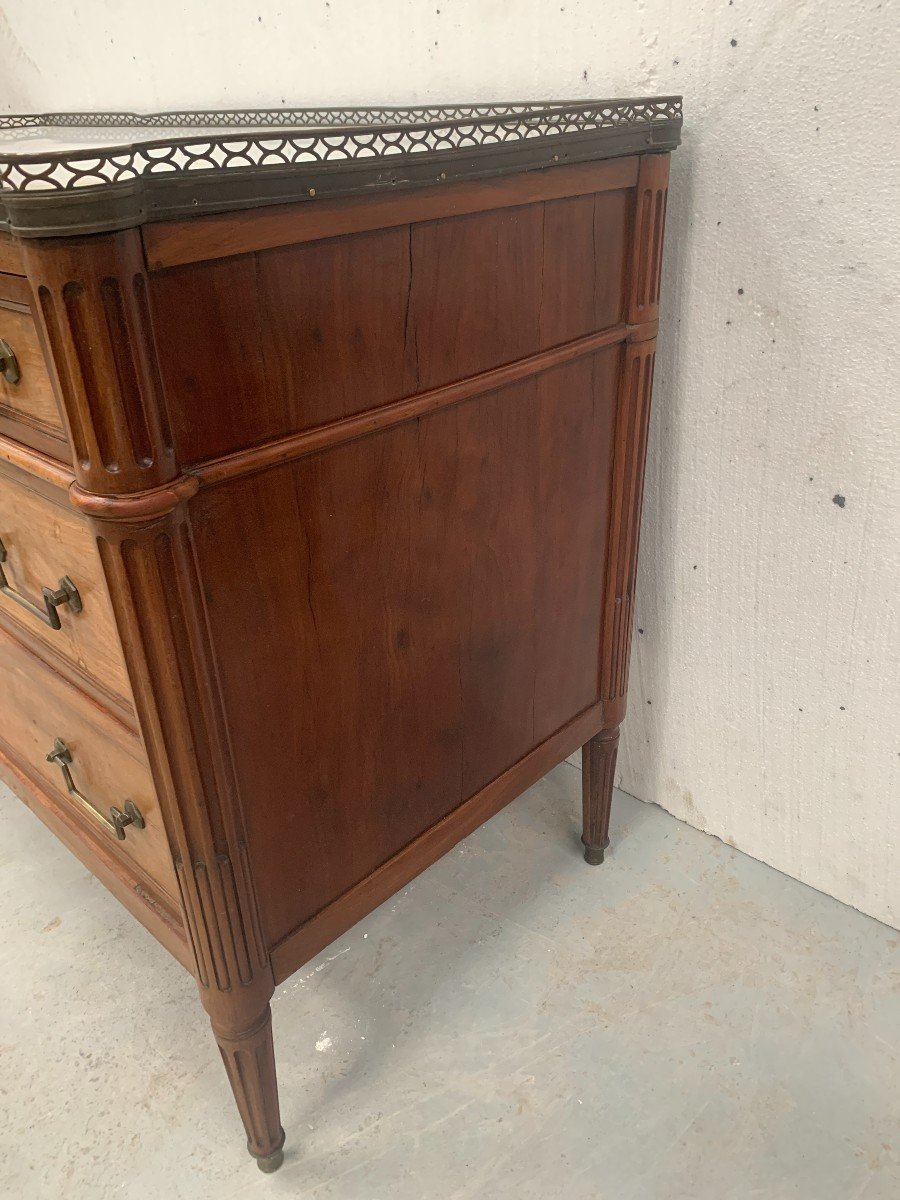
[{"x": 322, "y": 440}]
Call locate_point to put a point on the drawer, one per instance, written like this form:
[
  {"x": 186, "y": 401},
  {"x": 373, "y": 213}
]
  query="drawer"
[
  {"x": 28, "y": 408},
  {"x": 106, "y": 762},
  {"x": 45, "y": 541}
]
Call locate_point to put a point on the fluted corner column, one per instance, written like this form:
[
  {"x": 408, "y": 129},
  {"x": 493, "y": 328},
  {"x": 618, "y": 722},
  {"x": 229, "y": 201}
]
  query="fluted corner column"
[
  {"x": 93, "y": 302},
  {"x": 629, "y": 459}
]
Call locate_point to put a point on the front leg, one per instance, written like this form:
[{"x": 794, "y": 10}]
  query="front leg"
[
  {"x": 598, "y": 770},
  {"x": 249, "y": 1058}
]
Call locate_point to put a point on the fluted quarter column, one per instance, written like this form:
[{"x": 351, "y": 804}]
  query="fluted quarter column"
[
  {"x": 92, "y": 300},
  {"x": 627, "y": 491}
]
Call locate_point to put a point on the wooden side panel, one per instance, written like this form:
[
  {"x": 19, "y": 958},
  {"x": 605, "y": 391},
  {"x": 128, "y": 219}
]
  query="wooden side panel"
[
  {"x": 476, "y": 297},
  {"x": 334, "y": 324},
  {"x": 431, "y": 601},
  {"x": 263, "y": 345},
  {"x": 494, "y": 287},
  {"x": 172, "y": 243},
  {"x": 337, "y": 917},
  {"x": 585, "y": 250}
]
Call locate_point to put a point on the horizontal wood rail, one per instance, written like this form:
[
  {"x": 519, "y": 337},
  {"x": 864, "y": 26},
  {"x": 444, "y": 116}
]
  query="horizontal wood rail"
[
  {"x": 157, "y": 501},
  {"x": 348, "y": 429},
  {"x": 39, "y": 465},
  {"x": 135, "y": 507}
]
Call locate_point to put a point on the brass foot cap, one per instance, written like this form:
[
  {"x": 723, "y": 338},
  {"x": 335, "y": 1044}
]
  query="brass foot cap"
[
  {"x": 270, "y": 1162},
  {"x": 594, "y": 854}
]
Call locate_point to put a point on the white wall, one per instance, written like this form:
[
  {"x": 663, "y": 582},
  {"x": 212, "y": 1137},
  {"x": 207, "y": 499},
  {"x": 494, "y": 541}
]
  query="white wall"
[{"x": 764, "y": 703}]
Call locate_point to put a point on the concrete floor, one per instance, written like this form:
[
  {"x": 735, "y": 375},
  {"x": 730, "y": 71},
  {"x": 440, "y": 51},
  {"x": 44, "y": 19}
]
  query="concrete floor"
[{"x": 682, "y": 1023}]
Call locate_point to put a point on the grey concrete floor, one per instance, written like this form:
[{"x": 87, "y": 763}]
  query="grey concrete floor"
[{"x": 682, "y": 1023}]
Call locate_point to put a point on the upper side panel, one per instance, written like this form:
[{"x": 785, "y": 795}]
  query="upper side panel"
[{"x": 259, "y": 346}]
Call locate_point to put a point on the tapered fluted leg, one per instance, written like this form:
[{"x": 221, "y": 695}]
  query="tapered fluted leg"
[
  {"x": 598, "y": 769},
  {"x": 249, "y": 1059}
]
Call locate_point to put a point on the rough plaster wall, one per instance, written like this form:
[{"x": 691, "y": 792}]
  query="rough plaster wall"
[
  {"x": 765, "y": 701},
  {"x": 764, "y": 698}
]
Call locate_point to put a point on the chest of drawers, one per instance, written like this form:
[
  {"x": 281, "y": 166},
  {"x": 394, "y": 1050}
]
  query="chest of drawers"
[{"x": 321, "y": 455}]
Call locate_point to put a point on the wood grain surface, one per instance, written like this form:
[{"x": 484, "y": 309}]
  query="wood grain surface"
[
  {"x": 430, "y": 596},
  {"x": 304, "y": 335},
  {"x": 109, "y": 764},
  {"x": 29, "y": 411},
  {"x": 46, "y": 539},
  {"x": 173, "y": 243}
]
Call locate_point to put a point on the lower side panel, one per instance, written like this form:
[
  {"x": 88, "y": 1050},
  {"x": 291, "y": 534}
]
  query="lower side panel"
[
  {"x": 400, "y": 619},
  {"x": 339, "y": 916}
]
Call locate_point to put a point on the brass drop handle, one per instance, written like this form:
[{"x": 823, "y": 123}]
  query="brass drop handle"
[
  {"x": 9, "y": 364},
  {"x": 117, "y": 820},
  {"x": 66, "y": 593}
]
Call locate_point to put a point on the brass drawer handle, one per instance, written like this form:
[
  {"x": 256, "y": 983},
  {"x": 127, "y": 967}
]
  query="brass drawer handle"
[
  {"x": 117, "y": 820},
  {"x": 66, "y": 593},
  {"x": 9, "y": 364}
]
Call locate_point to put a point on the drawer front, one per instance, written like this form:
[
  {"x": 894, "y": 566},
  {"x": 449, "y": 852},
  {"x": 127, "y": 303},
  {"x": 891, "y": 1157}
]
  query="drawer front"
[
  {"x": 28, "y": 408},
  {"x": 106, "y": 762},
  {"x": 45, "y": 541}
]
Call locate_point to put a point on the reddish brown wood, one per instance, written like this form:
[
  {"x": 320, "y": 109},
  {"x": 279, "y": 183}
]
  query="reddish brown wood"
[
  {"x": 312, "y": 334},
  {"x": 151, "y": 570},
  {"x": 11, "y": 260},
  {"x": 92, "y": 298},
  {"x": 109, "y": 764},
  {"x": 459, "y": 653},
  {"x": 366, "y": 491},
  {"x": 38, "y": 466},
  {"x": 627, "y": 490},
  {"x": 311, "y": 441},
  {"x": 339, "y": 916},
  {"x": 14, "y": 290},
  {"x": 175, "y": 243},
  {"x": 647, "y": 244},
  {"x": 44, "y": 540},
  {"x": 249, "y": 1058},
  {"x": 632, "y": 423},
  {"x": 598, "y": 772},
  {"x": 92, "y": 303}
]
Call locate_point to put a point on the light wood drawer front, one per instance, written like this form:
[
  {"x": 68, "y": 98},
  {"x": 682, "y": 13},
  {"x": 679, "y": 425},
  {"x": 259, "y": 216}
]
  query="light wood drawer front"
[
  {"x": 46, "y": 540},
  {"x": 28, "y": 408},
  {"x": 108, "y": 764}
]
